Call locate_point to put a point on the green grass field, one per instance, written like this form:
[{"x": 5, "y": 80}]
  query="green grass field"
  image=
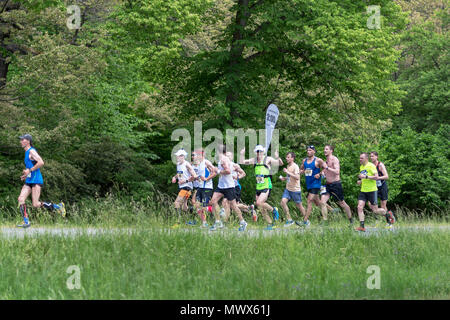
[
  {"x": 151, "y": 264},
  {"x": 155, "y": 262}
]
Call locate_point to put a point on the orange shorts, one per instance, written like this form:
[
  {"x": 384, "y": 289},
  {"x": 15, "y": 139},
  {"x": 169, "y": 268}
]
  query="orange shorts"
[{"x": 184, "y": 193}]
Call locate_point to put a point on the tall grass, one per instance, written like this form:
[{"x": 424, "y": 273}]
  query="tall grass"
[
  {"x": 157, "y": 209},
  {"x": 151, "y": 264}
]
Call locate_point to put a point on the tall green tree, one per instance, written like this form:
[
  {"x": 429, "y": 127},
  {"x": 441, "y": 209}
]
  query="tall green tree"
[
  {"x": 316, "y": 51},
  {"x": 424, "y": 74}
]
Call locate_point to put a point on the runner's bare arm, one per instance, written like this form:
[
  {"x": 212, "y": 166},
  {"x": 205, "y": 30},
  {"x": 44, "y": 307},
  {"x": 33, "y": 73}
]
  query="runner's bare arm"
[
  {"x": 337, "y": 169},
  {"x": 39, "y": 163},
  {"x": 191, "y": 171},
  {"x": 36, "y": 157},
  {"x": 212, "y": 171},
  {"x": 241, "y": 173},
  {"x": 276, "y": 160},
  {"x": 295, "y": 175},
  {"x": 385, "y": 175},
  {"x": 226, "y": 168},
  {"x": 322, "y": 164},
  {"x": 302, "y": 167},
  {"x": 374, "y": 177},
  {"x": 242, "y": 159}
]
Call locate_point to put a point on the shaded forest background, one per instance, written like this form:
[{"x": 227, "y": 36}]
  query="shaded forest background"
[{"x": 102, "y": 101}]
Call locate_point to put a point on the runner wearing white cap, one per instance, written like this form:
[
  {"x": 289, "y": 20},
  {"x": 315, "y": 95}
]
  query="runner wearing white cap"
[
  {"x": 262, "y": 165},
  {"x": 185, "y": 175}
]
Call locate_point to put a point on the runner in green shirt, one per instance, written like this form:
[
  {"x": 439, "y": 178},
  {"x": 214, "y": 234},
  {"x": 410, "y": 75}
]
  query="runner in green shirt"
[
  {"x": 262, "y": 165},
  {"x": 368, "y": 175}
]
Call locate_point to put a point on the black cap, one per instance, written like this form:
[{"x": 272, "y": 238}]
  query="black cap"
[
  {"x": 27, "y": 137},
  {"x": 311, "y": 147}
]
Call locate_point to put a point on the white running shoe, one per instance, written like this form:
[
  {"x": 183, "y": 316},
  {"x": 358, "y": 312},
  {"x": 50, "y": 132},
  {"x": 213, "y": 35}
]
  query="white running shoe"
[
  {"x": 216, "y": 226},
  {"x": 242, "y": 225}
]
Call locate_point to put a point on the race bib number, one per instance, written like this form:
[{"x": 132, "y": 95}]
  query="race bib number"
[
  {"x": 364, "y": 172},
  {"x": 180, "y": 175},
  {"x": 323, "y": 189},
  {"x": 29, "y": 175},
  {"x": 308, "y": 172},
  {"x": 259, "y": 179},
  {"x": 379, "y": 183}
]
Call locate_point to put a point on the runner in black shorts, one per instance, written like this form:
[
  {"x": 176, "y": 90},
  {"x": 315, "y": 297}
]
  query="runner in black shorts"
[
  {"x": 206, "y": 173},
  {"x": 33, "y": 182},
  {"x": 228, "y": 193},
  {"x": 262, "y": 165},
  {"x": 367, "y": 178},
  {"x": 370, "y": 197},
  {"x": 237, "y": 192},
  {"x": 311, "y": 168},
  {"x": 333, "y": 186},
  {"x": 225, "y": 188},
  {"x": 335, "y": 190},
  {"x": 382, "y": 182}
]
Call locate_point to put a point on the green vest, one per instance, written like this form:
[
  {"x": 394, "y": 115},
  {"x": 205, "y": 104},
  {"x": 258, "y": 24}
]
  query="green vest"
[{"x": 262, "y": 176}]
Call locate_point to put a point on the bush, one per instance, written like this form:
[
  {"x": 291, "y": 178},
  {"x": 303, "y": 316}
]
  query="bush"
[
  {"x": 109, "y": 165},
  {"x": 420, "y": 163}
]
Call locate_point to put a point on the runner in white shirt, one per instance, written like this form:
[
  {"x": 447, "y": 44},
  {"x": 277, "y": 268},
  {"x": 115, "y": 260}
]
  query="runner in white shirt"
[
  {"x": 206, "y": 172},
  {"x": 238, "y": 174},
  {"x": 225, "y": 189},
  {"x": 185, "y": 175}
]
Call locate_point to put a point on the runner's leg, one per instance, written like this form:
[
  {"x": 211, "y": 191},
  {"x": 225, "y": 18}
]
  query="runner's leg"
[
  {"x": 260, "y": 202},
  {"x": 284, "y": 202},
  {"x": 35, "y": 195},
  {"x": 24, "y": 193},
  {"x": 323, "y": 205}
]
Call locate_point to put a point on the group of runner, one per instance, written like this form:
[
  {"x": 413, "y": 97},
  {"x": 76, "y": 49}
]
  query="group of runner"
[
  {"x": 196, "y": 179},
  {"x": 322, "y": 182}
]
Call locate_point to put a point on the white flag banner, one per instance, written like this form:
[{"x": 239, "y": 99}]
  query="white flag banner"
[{"x": 271, "y": 120}]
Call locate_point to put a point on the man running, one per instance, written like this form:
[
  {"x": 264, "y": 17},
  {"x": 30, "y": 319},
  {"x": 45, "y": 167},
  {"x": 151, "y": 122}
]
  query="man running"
[
  {"x": 206, "y": 173},
  {"x": 368, "y": 176},
  {"x": 185, "y": 175},
  {"x": 33, "y": 182},
  {"x": 333, "y": 186},
  {"x": 383, "y": 177},
  {"x": 225, "y": 188},
  {"x": 262, "y": 165},
  {"x": 238, "y": 174},
  {"x": 311, "y": 166},
  {"x": 293, "y": 190}
]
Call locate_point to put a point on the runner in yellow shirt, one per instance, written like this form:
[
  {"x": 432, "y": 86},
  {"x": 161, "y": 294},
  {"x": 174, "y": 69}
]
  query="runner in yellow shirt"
[{"x": 368, "y": 175}]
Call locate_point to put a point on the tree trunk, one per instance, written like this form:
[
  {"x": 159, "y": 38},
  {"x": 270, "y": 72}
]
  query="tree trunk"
[{"x": 236, "y": 50}]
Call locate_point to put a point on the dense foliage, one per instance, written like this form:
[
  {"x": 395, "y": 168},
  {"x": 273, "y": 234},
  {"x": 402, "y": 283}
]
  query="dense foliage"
[{"x": 102, "y": 101}]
